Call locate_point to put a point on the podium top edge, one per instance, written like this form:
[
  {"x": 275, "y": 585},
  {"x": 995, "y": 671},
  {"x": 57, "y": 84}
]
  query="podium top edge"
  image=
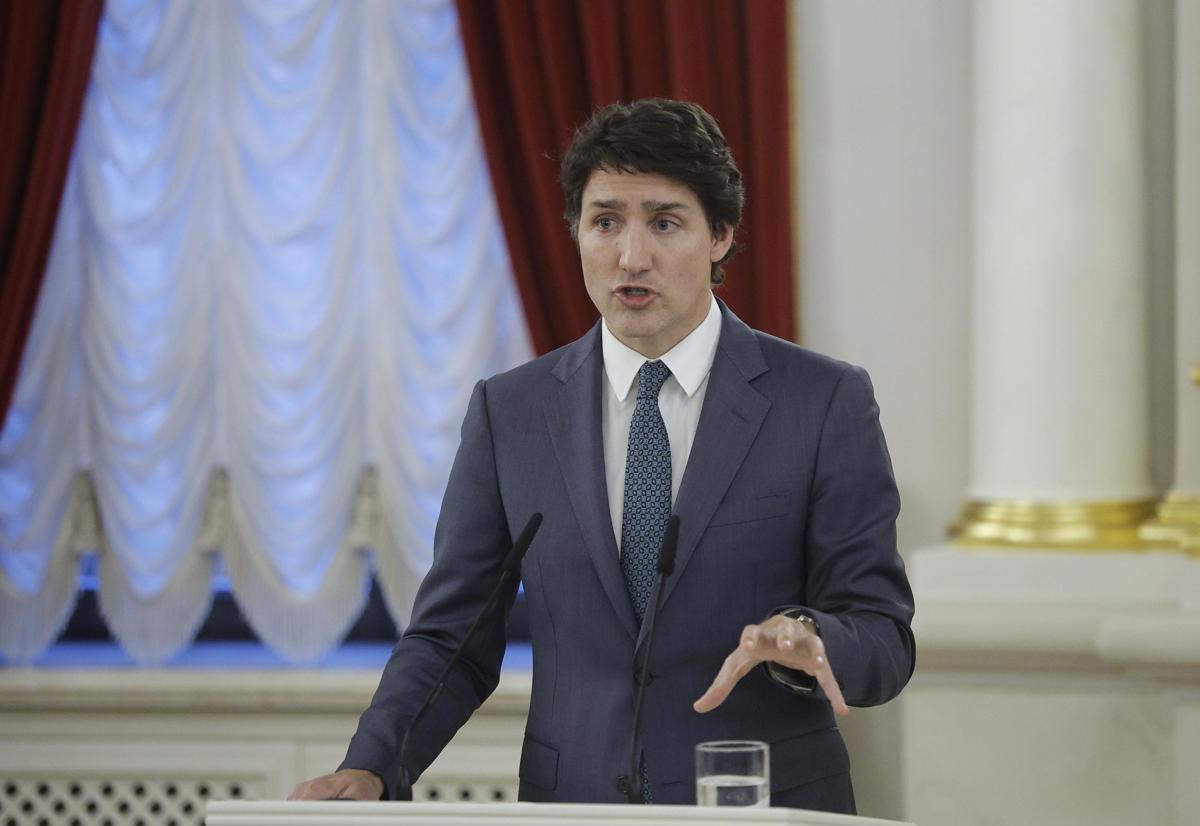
[{"x": 301, "y": 812}]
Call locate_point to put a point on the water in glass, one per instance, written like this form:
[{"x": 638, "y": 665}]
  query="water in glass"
[{"x": 733, "y": 790}]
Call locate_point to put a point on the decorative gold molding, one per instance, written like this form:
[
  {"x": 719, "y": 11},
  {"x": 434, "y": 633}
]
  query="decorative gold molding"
[
  {"x": 1105, "y": 525},
  {"x": 1176, "y": 525}
]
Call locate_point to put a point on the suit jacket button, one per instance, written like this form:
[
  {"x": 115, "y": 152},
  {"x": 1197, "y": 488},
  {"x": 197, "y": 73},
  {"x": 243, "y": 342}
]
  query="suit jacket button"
[{"x": 622, "y": 784}]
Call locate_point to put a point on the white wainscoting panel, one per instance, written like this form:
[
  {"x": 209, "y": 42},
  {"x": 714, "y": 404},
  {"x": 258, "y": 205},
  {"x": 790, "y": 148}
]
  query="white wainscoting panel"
[{"x": 125, "y": 746}]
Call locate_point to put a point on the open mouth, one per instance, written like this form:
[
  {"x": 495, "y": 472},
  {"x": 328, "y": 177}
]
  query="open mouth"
[{"x": 633, "y": 292}]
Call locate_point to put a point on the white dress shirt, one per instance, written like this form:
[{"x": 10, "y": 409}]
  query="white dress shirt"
[{"x": 679, "y": 401}]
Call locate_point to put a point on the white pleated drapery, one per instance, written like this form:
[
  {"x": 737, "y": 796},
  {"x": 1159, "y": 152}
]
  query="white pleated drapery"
[{"x": 278, "y": 271}]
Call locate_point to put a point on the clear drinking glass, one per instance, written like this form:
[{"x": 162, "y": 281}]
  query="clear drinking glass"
[{"x": 733, "y": 773}]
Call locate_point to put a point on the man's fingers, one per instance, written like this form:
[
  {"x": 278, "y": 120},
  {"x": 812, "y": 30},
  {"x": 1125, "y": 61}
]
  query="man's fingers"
[
  {"x": 309, "y": 790},
  {"x": 736, "y": 666},
  {"x": 321, "y": 788},
  {"x": 825, "y": 676},
  {"x": 710, "y": 699},
  {"x": 805, "y": 651},
  {"x": 829, "y": 684},
  {"x": 750, "y": 636},
  {"x": 348, "y": 784},
  {"x": 788, "y": 634},
  {"x": 721, "y": 685},
  {"x": 782, "y": 640}
]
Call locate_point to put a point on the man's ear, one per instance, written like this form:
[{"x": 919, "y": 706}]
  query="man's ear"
[{"x": 722, "y": 239}]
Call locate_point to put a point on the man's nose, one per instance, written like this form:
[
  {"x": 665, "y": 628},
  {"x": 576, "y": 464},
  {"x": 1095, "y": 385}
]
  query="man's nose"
[{"x": 635, "y": 253}]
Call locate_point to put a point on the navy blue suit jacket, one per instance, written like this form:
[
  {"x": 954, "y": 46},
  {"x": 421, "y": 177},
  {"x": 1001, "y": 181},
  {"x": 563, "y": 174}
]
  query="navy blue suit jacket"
[{"x": 788, "y": 499}]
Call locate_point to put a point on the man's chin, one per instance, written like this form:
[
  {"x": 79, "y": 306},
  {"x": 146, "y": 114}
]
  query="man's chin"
[
  {"x": 628, "y": 323},
  {"x": 632, "y": 326}
]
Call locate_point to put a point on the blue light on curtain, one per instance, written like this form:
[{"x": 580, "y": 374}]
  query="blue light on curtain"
[{"x": 277, "y": 273}]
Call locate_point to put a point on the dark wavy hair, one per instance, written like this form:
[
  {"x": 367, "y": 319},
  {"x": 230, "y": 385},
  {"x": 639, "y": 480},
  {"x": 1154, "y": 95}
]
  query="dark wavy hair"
[{"x": 673, "y": 138}]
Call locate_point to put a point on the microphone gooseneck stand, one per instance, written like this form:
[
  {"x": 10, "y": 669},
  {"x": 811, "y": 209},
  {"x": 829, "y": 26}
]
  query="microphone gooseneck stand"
[
  {"x": 666, "y": 565},
  {"x": 510, "y": 569}
]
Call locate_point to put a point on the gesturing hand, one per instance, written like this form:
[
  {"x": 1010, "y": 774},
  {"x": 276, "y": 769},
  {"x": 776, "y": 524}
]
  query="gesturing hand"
[
  {"x": 348, "y": 784},
  {"x": 782, "y": 640}
]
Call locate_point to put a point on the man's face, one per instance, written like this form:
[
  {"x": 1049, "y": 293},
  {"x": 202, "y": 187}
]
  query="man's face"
[{"x": 647, "y": 251}]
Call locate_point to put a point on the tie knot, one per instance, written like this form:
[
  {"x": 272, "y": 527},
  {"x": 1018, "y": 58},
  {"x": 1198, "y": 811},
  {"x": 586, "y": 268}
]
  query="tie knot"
[{"x": 650, "y": 379}]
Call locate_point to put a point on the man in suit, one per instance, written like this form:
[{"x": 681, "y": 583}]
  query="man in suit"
[{"x": 770, "y": 455}]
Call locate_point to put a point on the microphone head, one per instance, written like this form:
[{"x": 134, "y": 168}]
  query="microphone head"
[
  {"x": 666, "y": 552},
  {"x": 512, "y": 562}
]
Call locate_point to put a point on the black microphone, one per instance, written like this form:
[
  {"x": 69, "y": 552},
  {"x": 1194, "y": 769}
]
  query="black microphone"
[
  {"x": 510, "y": 568},
  {"x": 666, "y": 565}
]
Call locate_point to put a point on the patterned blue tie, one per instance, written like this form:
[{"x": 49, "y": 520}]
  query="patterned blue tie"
[{"x": 647, "y": 487}]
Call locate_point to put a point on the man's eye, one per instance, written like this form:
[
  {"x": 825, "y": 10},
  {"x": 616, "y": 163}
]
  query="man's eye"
[
  {"x": 605, "y": 223},
  {"x": 664, "y": 225}
]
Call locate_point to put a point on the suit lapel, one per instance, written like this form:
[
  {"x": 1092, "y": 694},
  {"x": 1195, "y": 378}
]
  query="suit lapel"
[
  {"x": 732, "y": 414},
  {"x": 576, "y": 432}
]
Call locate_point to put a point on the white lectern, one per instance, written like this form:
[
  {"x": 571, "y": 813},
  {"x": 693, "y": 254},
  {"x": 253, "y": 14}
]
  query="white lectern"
[{"x": 347, "y": 813}]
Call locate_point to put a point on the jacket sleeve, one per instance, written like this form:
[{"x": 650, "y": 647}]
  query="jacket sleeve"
[
  {"x": 856, "y": 588},
  {"x": 470, "y": 543}
]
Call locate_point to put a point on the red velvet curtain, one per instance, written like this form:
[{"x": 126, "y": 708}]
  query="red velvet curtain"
[
  {"x": 46, "y": 51},
  {"x": 539, "y": 67}
]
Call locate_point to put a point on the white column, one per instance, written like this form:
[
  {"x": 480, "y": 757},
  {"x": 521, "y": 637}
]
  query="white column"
[
  {"x": 1187, "y": 308},
  {"x": 1187, "y": 467},
  {"x": 1178, "y": 520},
  {"x": 1061, "y": 433}
]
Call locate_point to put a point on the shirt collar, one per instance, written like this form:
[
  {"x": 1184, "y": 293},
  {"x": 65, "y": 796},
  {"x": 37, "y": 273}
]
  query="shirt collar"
[{"x": 689, "y": 361}]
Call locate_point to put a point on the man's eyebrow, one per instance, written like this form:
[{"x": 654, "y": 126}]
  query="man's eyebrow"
[
  {"x": 649, "y": 206},
  {"x": 663, "y": 206}
]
